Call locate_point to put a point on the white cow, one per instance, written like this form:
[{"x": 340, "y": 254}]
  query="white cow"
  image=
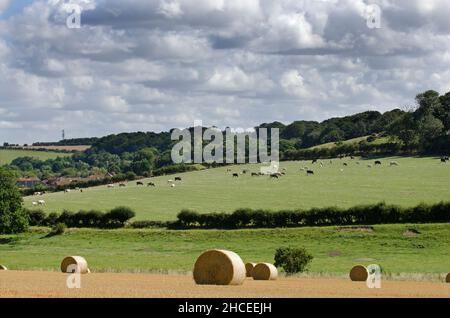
[
  {"x": 35, "y": 203},
  {"x": 41, "y": 202},
  {"x": 394, "y": 163},
  {"x": 173, "y": 185}
]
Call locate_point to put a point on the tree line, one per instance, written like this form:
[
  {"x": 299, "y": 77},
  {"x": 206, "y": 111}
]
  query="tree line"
[{"x": 424, "y": 129}]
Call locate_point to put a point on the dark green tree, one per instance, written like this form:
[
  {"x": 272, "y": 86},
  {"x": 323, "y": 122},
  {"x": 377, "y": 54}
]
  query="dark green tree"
[{"x": 13, "y": 218}]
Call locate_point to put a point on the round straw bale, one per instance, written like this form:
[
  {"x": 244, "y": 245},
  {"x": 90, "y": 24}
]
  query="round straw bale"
[
  {"x": 265, "y": 271},
  {"x": 359, "y": 273},
  {"x": 74, "y": 260},
  {"x": 219, "y": 267},
  {"x": 3, "y": 268},
  {"x": 249, "y": 268},
  {"x": 447, "y": 279}
]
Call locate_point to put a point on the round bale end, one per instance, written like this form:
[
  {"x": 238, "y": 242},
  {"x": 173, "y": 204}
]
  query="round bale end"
[{"x": 219, "y": 267}]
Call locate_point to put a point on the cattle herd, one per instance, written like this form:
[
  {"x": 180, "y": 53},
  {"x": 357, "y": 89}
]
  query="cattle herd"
[{"x": 270, "y": 173}]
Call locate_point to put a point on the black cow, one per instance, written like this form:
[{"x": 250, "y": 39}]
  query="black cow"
[
  {"x": 443, "y": 160},
  {"x": 378, "y": 163},
  {"x": 309, "y": 172},
  {"x": 178, "y": 179},
  {"x": 235, "y": 175},
  {"x": 345, "y": 164},
  {"x": 254, "y": 174},
  {"x": 274, "y": 176},
  {"x": 314, "y": 161},
  {"x": 151, "y": 184},
  {"x": 139, "y": 183}
]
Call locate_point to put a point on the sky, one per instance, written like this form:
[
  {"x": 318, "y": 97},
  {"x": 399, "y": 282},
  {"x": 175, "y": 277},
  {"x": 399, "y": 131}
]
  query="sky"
[{"x": 152, "y": 65}]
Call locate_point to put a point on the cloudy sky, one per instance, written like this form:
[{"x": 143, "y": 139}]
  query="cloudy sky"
[{"x": 141, "y": 65}]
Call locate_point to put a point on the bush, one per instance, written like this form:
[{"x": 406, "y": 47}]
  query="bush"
[
  {"x": 292, "y": 260},
  {"x": 36, "y": 217},
  {"x": 51, "y": 219},
  {"x": 117, "y": 217},
  {"x": 58, "y": 229}
]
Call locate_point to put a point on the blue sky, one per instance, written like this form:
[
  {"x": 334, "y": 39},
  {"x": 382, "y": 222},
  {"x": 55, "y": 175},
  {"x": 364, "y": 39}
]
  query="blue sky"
[
  {"x": 152, "y": 65},
  {"x": 15, "y": 7}
]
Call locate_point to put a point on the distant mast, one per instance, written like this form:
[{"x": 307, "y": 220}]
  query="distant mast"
[{"x": 63, "y": 134}]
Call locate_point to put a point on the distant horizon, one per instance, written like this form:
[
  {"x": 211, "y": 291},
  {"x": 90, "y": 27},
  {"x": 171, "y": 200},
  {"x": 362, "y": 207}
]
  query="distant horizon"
[{"x": 286, "y": 123}]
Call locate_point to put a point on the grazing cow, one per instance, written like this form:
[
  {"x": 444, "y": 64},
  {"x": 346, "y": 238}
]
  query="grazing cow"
[
  {"x": 345, "y": 164},
  {"x": 314, "y": 161},
  {"x": 353, "y": 158},
  {"x": 67, "y": 191},
  {"x": 122, "y": 185},
  {"x": 173, "y": 185},
  {"x": 178, "y": 179},
  {"x": 254, "y": 174},
  {"x": 274, "y": 176},
  {"x": 378, "y": 163},
  {"x": 393, "y": 163},
  {"x": 235, "y": 175},
  {"x": 41, "y": 202},
  {"x": 139, "y": 183},
  {"x": 111, "y": 185},
  {"x": 35, "y": 203},
  {"x": 309, "y": 172},
  {"x": 151, "y": 184},
  {"x": 443, "y": 160}
]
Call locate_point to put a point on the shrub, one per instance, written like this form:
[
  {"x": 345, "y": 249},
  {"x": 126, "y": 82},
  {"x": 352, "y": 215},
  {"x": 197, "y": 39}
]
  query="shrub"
[
  {"x": 51, "y": 219},
  {"x": 58, "y": 229},
  {"x": 36, "y": 217},
  {"x": 292, "y": 260},
  {"x": 117, "y": 217}
]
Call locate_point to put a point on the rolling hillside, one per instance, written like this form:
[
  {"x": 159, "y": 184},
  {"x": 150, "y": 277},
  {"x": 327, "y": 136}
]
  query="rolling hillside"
[
  {"x": 8, "y": 155},
  {"x": 415, "y": 180}
]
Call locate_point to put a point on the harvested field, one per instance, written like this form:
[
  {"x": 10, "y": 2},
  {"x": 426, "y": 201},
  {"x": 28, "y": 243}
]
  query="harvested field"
[{"x": 53, "y": 284}]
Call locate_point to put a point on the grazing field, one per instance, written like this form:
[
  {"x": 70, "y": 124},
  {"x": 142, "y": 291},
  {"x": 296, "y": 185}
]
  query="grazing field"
[
  {"x": 335, "y": 249},
  {"x": 415, "y": 180},
  {"x": 8, "y": 155},
  {"x": 46, "y": 284}
]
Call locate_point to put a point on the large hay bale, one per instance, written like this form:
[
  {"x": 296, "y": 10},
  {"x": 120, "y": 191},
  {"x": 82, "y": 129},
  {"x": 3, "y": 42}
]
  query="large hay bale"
[
  {"x": 265, "y": 271},
  {"x": 3, "y": 268},
  {"x": 447, "y": 279},
  {"x": 359, "y": 273},
  {"x": 219, "y": 267},
  {"x": 249, "y": 268},
  {"x": 75, "y": 260}
]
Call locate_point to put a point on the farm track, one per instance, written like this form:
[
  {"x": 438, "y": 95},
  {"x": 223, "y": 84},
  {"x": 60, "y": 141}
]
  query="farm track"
[{"x": 14, "y": 284}]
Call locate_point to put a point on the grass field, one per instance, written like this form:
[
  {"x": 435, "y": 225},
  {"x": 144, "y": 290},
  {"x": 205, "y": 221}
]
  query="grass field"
[
  {"x": 414, "y": 181},
  {"x": 7, "y": 155},
  {"x": 377, "y": 141},
  {"x": 335, "y": 250}
]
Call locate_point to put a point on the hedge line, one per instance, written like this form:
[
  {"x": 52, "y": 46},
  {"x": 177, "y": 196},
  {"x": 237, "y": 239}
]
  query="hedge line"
[
  {"x": 116, "y": 218},
  {"x": 359, "y": 215},
  {"x": 247, "y": 218}
]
